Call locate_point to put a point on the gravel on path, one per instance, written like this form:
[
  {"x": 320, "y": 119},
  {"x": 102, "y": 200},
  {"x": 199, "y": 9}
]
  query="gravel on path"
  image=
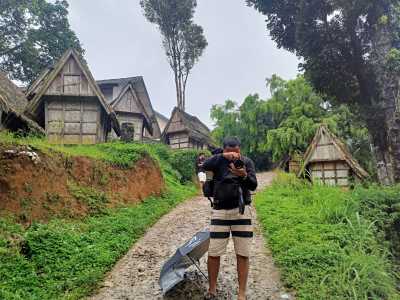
[{"x": 135, "y": 276}]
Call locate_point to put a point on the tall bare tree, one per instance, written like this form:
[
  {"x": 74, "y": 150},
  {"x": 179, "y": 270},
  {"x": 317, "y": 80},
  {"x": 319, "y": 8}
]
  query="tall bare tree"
[{"x": 183, "y": 40}]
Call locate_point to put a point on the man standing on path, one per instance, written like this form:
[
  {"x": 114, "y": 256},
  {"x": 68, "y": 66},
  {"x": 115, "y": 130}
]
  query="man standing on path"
[{"x": 234, "y": 178}]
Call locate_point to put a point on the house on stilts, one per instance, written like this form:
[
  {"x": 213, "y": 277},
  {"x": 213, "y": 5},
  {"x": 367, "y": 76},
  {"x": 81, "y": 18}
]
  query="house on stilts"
[
  {"x": 185, "y": 131},
  {"x": 131, "y": 102},
  {"x": 329, "y": 161},
  {"x": 12, "y": 106},
  {"x": 67, "y": 102}
]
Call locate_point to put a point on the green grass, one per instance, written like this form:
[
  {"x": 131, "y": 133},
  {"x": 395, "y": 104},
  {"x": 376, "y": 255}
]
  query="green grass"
[
  {"x": 178, "y": 164},
  {"x": 324, "y": 245},
  {"x": 66, "y": 259}
]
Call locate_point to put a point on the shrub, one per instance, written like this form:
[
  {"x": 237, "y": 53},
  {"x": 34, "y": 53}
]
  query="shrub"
[
  {"x": 381, "y": 205},
  {"x": 184, "y": 163},
  {"x": 324, "y": 246}
]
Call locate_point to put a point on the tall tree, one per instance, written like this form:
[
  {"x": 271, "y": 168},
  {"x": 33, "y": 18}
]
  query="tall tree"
[
  {"x": 183, "y": 41},
  {"x": 351, "y": 53},
  {"x": 33, "y": 33}
]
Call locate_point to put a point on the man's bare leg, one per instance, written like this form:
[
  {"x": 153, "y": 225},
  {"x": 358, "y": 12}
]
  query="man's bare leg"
[
  {"x": 213, "y": 270},
  {"x": 243, "y": 273}
]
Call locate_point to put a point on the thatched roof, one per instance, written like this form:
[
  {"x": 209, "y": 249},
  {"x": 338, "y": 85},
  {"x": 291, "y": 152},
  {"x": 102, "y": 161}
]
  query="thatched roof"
[
  {"x": 40, "y": 86},
  {"x": 340, "y": 147},
  {"x": 190, "y": 124},
  {"x": 161, "y": 116},
  {"x": 140, "y": 89},
  {"x": 127, "y": 89},
  {"x": 13, "y": 103}
]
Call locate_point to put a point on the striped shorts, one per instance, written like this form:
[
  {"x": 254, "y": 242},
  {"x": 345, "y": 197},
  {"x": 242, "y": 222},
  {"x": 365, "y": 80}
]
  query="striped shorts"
[{"x": 227, "y": 222}]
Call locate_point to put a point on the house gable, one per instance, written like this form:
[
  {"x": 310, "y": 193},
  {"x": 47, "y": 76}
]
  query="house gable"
[
  {"x": 69, "y": 77},
  {"x": 326, "y": 147},
  {"x": 128, "y": 102}
]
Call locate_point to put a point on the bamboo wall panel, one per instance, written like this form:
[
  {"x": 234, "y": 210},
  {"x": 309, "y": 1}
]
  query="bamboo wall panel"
[
  {"x": 129, "y": 103},
  {"x": 70, "y": 81},
  {"x": 74, "y": 121}
]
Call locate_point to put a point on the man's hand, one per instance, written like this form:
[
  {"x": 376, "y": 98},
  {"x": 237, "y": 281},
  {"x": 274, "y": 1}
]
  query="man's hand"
[
  {"x": 237, "y": 172},
  {"x": 231, "y": 156}
]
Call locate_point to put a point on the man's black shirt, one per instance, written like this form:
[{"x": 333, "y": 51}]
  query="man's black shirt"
[{"x": 219, "y": 165}]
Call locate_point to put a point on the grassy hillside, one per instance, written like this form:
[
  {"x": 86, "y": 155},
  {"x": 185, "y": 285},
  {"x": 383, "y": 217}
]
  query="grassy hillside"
[
  {"x": 325, "y": 241},
  {"x": 66, "y": 259}
]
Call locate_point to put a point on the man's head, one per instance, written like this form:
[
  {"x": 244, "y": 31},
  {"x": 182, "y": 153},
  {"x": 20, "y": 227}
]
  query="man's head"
[{"x": 231, "y": 144}]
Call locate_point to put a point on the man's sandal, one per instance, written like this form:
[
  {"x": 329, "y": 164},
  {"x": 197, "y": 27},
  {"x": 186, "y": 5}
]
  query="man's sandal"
[{"x": 209, "y": 296}]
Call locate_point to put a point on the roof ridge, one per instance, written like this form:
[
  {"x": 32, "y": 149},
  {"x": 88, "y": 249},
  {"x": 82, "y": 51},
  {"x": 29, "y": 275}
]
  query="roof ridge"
[{"x": 121, "y": 79}]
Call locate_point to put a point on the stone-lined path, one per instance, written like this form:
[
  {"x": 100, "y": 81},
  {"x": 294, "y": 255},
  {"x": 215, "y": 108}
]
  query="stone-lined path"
[{"x": 135, "y": 276}]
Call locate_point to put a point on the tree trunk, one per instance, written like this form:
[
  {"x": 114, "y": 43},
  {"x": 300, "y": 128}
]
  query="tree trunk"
[
  {"x": 178, "y": 95},
  {"x": 381, "y": 150},
  {"x": 393, "y": 124},
  {"x": 385, "y": 129}
]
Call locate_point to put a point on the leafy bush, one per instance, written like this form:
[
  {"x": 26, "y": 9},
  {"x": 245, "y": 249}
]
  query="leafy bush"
[
  {"x": 325, "y": 248},
  {"x": 95, "y": 200},
  {"x": 381, "y": 205},
  {"x": 184, "y": 163}
]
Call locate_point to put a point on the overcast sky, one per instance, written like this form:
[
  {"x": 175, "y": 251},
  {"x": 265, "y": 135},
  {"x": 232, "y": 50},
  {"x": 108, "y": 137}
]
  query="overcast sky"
[{"x": 120, "y": 42}]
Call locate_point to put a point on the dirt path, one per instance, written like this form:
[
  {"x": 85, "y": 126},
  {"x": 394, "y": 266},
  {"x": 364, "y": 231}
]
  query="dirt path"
[{"x": 136, "y": 275}]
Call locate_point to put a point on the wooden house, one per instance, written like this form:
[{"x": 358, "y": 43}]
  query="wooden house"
[
  {"x": 66, "y": 101},
  {"x": 131, "y": 102},
  {"x": 291, "y": 163},
  {"x": 328, "y": 160},
  {"x": 12, "y": 106},
  {"x": 185, "y": 131}
]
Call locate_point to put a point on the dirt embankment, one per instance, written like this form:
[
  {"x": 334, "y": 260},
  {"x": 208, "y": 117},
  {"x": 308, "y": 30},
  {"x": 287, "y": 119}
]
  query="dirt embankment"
[{"x": 37, "y": 186}]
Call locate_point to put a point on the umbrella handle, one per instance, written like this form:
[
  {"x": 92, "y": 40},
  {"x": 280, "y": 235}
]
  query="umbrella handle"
[
  {"x": 211, "y": 202},
  {"x": 198, "y": 267}
]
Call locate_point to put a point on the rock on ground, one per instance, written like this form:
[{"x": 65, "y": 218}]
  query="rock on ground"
[{"x": 136, "y": 275}]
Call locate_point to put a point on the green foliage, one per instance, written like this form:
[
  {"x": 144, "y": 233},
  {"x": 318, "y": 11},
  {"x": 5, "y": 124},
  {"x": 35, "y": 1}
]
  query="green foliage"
[
  {"x": 381, "y": 205},
  {"x": 66, "y": 258},
  {"x": 33, "y": 34},
  {"x": 338, "y": 41},
  {"x": 286, "y": 123},
  {"x": 350, "y": 53},
  {"x": 183, "y": 40},
  {"x": 298, "y": 111},
  {"x": 179, "y": 164},
  {"x": 95, "y": 200},
  {"x": 184, "y": 163},
  {"x": 325, "y": 248}
]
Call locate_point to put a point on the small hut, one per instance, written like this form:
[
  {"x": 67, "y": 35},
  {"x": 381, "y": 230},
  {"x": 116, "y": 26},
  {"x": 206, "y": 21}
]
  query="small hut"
[
  {"x": 328, "y": 160},
  {"x": 66, "y": 101},
  {"x": 185, "y": 131},
  {"x": 131, "y": 102},
  {"x": 12, "y": 105},
  {"x": 291, "y": 163}
]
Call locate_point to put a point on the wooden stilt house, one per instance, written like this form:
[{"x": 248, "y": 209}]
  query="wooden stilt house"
[
  {"x": 66, "y": 101},
  {"x": 328, "y": 160},
  {"x": 185, "y": 131},
  {"x": 131, "y": 102},
  {"x": 12, "y": 106}
]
